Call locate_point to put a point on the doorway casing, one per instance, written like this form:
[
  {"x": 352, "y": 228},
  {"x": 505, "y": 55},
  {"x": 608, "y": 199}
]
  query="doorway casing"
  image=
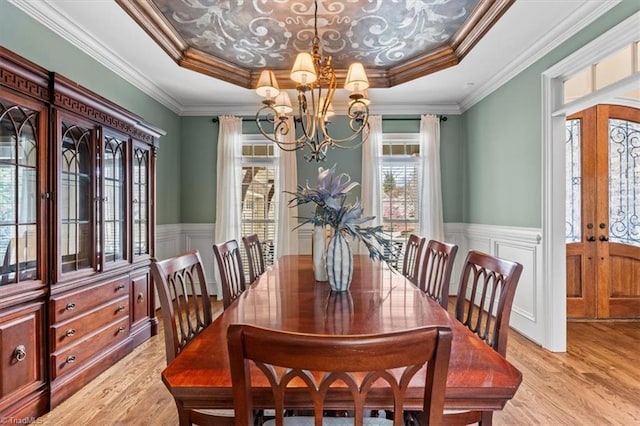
[{"x": 554, "y": 112}]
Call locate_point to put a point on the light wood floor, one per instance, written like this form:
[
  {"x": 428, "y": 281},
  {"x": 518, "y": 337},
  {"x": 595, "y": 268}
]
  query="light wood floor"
[{"x": 596, "y": 382}]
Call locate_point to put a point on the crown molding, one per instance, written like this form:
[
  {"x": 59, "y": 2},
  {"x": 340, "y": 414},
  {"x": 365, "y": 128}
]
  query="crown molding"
[
  {"x": 387, "y": 109},
  {"x": 74, "y": 33},
  {"x": 587, "y": 13},
  {"x": 78, "y": 36}
]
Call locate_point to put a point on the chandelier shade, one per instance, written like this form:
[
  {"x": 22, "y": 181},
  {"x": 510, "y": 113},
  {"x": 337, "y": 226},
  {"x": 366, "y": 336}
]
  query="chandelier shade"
[
  {"x": 316, "y": 84},
  {"x": 267, "y": 84}
]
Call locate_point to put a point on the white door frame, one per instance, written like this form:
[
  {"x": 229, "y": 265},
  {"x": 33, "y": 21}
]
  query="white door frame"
[{"x": 554, "y": 112}]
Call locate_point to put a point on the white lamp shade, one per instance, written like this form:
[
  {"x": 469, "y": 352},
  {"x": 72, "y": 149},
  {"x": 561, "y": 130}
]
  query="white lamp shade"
[
  {"x": 283, "y": 103},
  {"x": 356, "y": 78},
  {"x": 303, "y": 70},
  {"x": 267, "y": 85}
]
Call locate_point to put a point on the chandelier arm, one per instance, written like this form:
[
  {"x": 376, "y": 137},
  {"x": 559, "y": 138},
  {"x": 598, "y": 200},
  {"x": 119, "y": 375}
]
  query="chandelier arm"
[
  {"x": 306, "y": 117},
  {"x": 280, "y": 128},
  {"x": 315, "y": 108},
  {"x": 362, "y": 118}
]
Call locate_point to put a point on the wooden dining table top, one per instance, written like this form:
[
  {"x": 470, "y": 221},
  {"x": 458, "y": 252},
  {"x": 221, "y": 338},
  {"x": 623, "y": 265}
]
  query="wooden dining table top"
[{"x": 287, "y": 297}]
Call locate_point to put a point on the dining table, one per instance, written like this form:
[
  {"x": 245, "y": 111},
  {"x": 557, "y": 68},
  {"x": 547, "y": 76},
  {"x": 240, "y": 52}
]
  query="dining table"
[{"x": 380, "y": 300}]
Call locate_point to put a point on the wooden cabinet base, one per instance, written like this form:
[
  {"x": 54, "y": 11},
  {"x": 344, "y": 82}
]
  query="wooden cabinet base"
[
  {"x": 69, "y": 384},
  {"x": 75, "y": 291},
  {"x": 27, "y": 409}
]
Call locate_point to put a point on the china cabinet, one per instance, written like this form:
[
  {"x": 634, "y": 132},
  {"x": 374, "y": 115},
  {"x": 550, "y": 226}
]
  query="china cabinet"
[{"x": 77, "y": 226}]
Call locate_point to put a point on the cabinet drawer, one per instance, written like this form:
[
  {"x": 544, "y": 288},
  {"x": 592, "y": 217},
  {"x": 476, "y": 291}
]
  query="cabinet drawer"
[
  {"x": 75, "y": 356},
  {"x": 71, "y": 331},
  {"x": 21, "y": 353},
  {"x": 140, "y": 298},
  {"x": 72, "y": 304}
]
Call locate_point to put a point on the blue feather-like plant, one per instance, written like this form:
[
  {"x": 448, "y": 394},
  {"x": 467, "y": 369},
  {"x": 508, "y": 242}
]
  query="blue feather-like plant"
[{"x": 330, "y": 196}]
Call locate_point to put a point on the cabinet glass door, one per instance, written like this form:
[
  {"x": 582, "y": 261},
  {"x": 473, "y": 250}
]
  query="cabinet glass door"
[
  {"x": 114, "y": 199},
  {"x": 140, "y": 201},
  {"x": 76, "y": 176},
  {"x": 18, "y": 189}
]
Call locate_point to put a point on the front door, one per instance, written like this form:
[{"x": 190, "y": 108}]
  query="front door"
[{"x": 603, "y": 213}]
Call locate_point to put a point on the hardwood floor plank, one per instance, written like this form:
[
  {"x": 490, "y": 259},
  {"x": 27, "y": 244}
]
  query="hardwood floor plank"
[{"x": 596, "y": 382}]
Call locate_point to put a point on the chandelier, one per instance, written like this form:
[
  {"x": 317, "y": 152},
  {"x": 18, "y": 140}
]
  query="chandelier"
[{"x": 316, "y": 83}]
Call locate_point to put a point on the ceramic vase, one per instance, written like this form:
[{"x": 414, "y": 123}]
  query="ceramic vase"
[
  {"x": 339, "y": 262},
  {"x": 318, "y": 250}
]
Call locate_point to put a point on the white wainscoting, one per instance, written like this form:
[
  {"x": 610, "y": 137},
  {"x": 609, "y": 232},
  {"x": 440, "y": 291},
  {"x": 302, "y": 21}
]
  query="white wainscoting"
[
  {"x": 175, "y": 239},
  {"x": 522, "y": 245}
]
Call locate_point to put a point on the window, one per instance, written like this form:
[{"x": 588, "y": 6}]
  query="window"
[
  {"x": 615, "y": 67},
  {"x": 259, "y": 174},
  {"x": 399, "y": 182}
]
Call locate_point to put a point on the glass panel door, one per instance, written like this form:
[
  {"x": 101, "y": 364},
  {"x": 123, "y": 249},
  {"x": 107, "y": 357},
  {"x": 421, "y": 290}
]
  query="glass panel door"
[
  {"x": 624, "y": 182},
  {"x": 114, "y": 199},
  {"x": 140, "y": 202},
  {"x": 18, "y": 189},
  {"x": 75, "y": 204}
]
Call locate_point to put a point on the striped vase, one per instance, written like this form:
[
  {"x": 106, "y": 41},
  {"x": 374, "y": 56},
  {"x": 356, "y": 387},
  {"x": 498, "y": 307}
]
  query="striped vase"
[{"x": 339, "y": 262}]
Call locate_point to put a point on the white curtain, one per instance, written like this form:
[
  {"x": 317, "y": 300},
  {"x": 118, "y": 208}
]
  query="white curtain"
[
  {"x": 371, "y": 191},
  {"x": 287, "y": 179},
  {"x": 431, "y": 222},
  {"x": 229, "y": 173}
]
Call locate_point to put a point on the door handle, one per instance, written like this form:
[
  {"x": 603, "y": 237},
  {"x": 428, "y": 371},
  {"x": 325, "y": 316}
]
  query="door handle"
[
  {"x": 591, "y": 238},
  {"x": 603, "y": 238}
]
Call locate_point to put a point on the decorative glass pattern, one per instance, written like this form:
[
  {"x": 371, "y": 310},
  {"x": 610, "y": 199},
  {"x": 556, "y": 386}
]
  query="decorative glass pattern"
[
  {"x": 140, "y": 202},
  {"x": 75, "y": 198},
  {"x": 624, "y": 182},
  {"x": 18, "y": 189},
  {"x": 113, "y": 167},
  {"x": 573, "y": 228}
]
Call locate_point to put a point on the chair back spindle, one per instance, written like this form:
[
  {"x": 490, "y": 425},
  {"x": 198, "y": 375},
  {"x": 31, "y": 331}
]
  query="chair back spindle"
[
  {"x": 485, "y": 297},
  {"x": 231, "y": 271},
  {"x": 412, "y": 258},
  {"x": 184, "y": 299},
  {"x": 186, "y": 312},
  {"x": 351, "y": 366},
  {"x": 435, "y": 277},
  {"x": 255, "y": 257}
]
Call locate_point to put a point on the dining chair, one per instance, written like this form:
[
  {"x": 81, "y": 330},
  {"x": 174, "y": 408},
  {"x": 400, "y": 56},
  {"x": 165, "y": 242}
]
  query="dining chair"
[
  {"x": 359, "y": 364},
  {"x": 186, "y": 312},
  {"x": 485, "y": 297},
  {"x": 437, "y": 263},
  {"x": 412, "y": 258},
  {"x": 255, "y": 257},
  {"x": 231, "y": 271}
]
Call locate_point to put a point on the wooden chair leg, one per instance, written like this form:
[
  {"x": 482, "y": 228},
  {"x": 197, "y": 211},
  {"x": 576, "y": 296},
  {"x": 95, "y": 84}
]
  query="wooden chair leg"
[
  {"x": 184, "y": 417},
  {"x": 487, "y": 418}
]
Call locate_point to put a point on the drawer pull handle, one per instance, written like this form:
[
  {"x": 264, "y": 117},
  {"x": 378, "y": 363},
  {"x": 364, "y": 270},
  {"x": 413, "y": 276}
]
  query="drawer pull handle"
[
  {"x": 140, "y": 298},
  {"x": 20, "y": 353},
  {"x": 121, "y": 329},
  {"x": 70, "y": 306},
  {"x": 120, "y": 287},
  {"x": 71, "y": 359},
  {"x": 70, "y": 332},
  {"x": 120, "y": 308}
]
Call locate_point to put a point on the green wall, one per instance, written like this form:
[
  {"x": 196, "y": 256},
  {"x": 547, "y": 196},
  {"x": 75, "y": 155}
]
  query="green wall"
[
  {"x": 199, "y": 138},
  {"x": 26, "y": 37},
  {"x": 491, "y": 156},
  {"x": 503, "y": 138}
]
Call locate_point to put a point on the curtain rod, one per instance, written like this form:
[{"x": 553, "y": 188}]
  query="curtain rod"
[{"x": 442, "y": 118}]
